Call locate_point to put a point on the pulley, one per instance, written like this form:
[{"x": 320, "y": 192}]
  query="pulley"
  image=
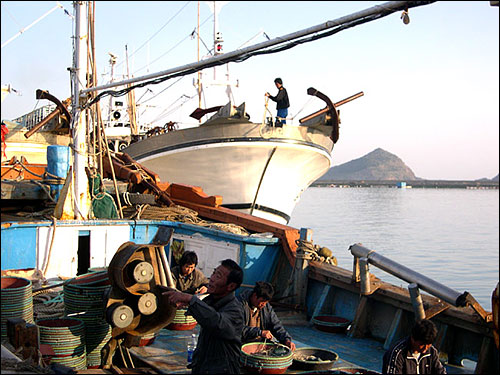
[
  {"x": 147, "y": 304},
  {"x": 143, "y": 272},
  {"x": 120, "y": 315}
]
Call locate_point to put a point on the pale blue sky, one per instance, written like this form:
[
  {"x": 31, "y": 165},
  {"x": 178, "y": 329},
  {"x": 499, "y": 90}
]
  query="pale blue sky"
[{"x": 431, "y": 87}]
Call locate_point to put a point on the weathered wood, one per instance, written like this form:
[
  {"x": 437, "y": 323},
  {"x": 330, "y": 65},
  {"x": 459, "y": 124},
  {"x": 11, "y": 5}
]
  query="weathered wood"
[
  {"x": 287, "y": 235},
  {"x": 360, "y": 322},
  {"x": 193, "y": 194},
  {"x": 321, "y": 301},
  {"x": 23, "y": 190},
  {"x": 464, "y": 317},
  {"x": 16, "y": 172},
  {"x": 436, "y": 308},
  {"x": 486, "y": 364},
  {"x": 394, "y": 329}
]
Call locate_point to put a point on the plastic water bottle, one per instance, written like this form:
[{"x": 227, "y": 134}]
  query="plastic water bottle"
[{"x": 191, "y": 347}]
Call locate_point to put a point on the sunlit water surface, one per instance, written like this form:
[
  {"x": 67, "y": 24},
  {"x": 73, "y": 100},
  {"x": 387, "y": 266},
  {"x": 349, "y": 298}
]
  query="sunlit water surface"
[{"x": 449, "y": 235}]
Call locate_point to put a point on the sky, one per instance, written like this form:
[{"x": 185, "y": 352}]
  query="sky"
[{"x": 431, "y": 87}]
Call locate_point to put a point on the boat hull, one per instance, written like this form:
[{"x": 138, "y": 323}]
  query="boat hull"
[{"x": 256, "y": 169}]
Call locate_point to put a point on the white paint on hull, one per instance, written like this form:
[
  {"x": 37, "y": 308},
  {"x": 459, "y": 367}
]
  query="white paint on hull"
[{"x": 234, "y": 171}]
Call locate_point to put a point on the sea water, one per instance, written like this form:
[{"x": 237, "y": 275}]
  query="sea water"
[{"x": 449, "y": 235}]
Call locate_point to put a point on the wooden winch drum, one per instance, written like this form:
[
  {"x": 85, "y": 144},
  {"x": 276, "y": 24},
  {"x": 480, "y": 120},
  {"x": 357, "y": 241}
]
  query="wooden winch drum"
[
  {"x": 182, "y": 322},
  {"x": 66, "y": 336},
  {"x": 16, "y": 301},
  {"x": 132, "y": 269},
  {"x": 265, "y": 364},
  {"x": 330, "y": 323}
]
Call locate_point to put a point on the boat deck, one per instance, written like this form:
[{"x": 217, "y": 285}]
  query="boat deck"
[{"x": 167, "y": 354}]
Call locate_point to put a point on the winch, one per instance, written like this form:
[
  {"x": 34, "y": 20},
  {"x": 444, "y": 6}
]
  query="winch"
[{"x": 135, "y": 305}]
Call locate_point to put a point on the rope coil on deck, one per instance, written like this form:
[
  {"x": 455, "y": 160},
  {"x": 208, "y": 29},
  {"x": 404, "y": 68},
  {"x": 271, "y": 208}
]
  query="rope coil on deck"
[{"x": 308, "y": 250}]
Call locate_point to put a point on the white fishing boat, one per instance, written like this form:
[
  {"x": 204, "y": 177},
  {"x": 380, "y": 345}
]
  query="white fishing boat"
[{"x": 257, "y": 168}]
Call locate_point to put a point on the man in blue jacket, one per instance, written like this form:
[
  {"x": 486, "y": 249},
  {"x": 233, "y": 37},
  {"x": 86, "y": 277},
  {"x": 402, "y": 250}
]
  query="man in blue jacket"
[
  {"x": 220, "y": 316},
  {"x": 414, "y": 354},
  {"x": 261, "y": 322}
]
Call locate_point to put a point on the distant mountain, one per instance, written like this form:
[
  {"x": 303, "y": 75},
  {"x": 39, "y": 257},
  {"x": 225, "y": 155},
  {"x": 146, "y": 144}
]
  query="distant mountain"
[
  {"x": 495, "y": 178},
  {"x": 376, "y": 165}
]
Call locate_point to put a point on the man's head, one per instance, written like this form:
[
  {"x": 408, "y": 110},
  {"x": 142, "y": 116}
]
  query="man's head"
[
  {"x": 278, "y": 82},
  {"x": 188, "y": 262},
  {"x": 423, "y": 335},
  {"x": 261, "y": 295},
  {"x": 225, "y": 279}
]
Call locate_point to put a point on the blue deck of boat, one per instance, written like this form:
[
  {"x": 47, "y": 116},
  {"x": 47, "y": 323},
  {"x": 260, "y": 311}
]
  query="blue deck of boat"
[{"x": 168, "y": 352}]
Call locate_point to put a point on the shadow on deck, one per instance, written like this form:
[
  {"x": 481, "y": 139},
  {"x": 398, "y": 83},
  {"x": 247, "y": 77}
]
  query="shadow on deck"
[{"x": 168, "y": 353}]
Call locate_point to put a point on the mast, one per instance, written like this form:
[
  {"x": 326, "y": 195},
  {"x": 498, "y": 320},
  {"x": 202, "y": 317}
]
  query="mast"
[
  {"x": 81, "y": 197},
  {"x": 379, "y": 11},
  {"x": 131, "y": 109},
  {"x": 199, "y": 72}
]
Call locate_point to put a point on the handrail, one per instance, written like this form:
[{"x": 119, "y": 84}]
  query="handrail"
[{"x": 433, "y": 287}]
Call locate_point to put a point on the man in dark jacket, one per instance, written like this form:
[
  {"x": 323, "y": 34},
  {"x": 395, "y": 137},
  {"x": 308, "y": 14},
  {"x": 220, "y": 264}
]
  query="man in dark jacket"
[
  {"x": 261, "y": 322},
  {"x": 187, "y": 277},
  {"x": 282, "y": 102},
  {"x": 220, "y": 316},
  {"x": 414, "y": 354}
]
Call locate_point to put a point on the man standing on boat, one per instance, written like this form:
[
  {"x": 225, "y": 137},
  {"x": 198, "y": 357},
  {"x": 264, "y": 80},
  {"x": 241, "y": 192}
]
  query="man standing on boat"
[
  {"x": 220, "y": 316},
  {"x": 261, "y": 322},
  {"x": 282, "y": 102},
  {"x": 187, "y": 277},
  {"x": 414, "y": 354}
]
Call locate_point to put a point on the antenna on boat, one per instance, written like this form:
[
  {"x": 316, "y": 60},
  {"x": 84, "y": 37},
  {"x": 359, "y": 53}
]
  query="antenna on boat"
[{"x": 215, "y": 7}]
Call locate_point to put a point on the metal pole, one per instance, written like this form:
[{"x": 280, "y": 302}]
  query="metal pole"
[
  {"x": 390, "y": 7},
  {"x": 79, "y": 117},
  {"x": 416, "y": 301},
  {"x": 365, "y": 276},
  {"x": 439, "y": 290}
]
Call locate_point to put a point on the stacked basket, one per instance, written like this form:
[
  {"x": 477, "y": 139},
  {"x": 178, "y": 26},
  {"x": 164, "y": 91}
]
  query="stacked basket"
[
  {"x": 86, "y": 297},
  {"x": 182, "y": 322},
  {"x": 66, "y": 336},
  {"x": 17, "y": 301}
]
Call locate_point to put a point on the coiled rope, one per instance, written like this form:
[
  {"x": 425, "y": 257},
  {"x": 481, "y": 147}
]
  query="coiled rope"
[
  {"x": 180, "y": 214},
  {"x": 315, "y": 252},
  {"x": 47, "y": 304}
]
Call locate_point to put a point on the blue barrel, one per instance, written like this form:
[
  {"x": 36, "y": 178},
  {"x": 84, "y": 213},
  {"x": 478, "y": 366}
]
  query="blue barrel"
[{"x": 57, "y": 165}]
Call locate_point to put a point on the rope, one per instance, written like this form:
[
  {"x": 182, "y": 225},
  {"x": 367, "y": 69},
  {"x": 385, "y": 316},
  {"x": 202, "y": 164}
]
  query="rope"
[
  {"x": 313, "y": 252},
  {"x": 54, "y": 222},
  {"x": 180, "y": 214},
  {"x": 48, "y": 304},
  {"x": 44, "y": 188}
]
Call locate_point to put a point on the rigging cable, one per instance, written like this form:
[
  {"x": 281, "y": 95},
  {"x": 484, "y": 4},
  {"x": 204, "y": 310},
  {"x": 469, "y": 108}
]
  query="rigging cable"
[
  {"x": 156, "y": 33},
  {"x": 245, "y": 56}
]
